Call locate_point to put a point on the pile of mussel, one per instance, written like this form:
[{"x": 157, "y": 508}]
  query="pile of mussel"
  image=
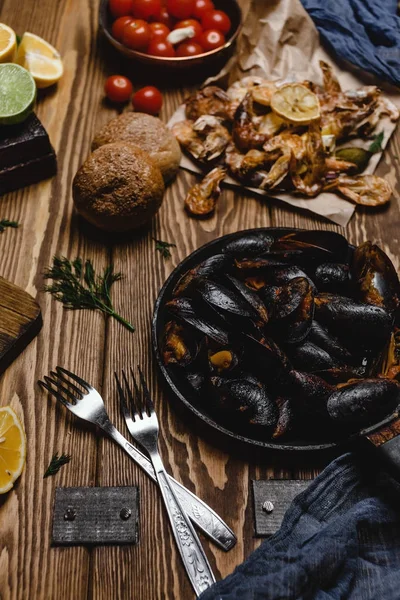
[{"x": 288, "y": 335}]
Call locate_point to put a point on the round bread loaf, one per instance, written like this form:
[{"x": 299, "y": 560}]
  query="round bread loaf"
[
  {"x": 149, "y": 134},
  {"x": 118, "y": 188}
]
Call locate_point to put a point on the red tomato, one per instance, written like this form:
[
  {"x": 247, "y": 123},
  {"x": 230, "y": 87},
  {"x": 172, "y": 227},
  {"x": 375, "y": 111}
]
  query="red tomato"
[
  {"x": 211, "y": 39},
  {"x": 189, "y": 49},
  {"x": 198, "y": 30},
  {"x": 120, "y": 8},
  {"x": 145, "y": 9},
  {"x": 118, "y": 27},
  {"x": 201, "y": 7},
  {"x": 216, "y": 19},
  {"x": 148, "y": 100},
  {"x": 136, "y": 35},
  {"x": 181, "y": 9},
  {"x": 160, "y": 48},
  {"x": 159, "y": 31},
  {"x": 118, "y": 88},
  {"x": 165, "y": 17}
]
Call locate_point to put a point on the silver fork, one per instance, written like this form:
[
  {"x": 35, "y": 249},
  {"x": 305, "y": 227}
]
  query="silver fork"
[
  {"x": 144, "y": 429},
  {"x": 88, "y": 405}
]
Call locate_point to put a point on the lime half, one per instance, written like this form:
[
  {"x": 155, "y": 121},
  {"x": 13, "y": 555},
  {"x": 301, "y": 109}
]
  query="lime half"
[{"x": 17, "y": 93}]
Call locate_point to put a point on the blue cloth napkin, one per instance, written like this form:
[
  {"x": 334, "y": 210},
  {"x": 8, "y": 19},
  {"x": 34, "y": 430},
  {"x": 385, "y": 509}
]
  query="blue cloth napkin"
[
  {"x": 364, "y": 32},
  {"x": 339, "y": 540}
]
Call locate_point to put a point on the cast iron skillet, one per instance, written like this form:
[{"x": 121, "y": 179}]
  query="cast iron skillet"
[{"x": 184, "y": 393}]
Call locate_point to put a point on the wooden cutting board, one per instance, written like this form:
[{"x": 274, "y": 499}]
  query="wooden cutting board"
[{"x": 20, "y": 321}]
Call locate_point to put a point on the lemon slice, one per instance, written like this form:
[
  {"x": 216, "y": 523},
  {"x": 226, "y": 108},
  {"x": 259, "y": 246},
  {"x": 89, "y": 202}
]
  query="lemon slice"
[
  {"x": 8, "y": 44},
  {"x": 12, "y": 448},
  {"x": 296, "y": 103},
  {"x": 40, "y": 59}
]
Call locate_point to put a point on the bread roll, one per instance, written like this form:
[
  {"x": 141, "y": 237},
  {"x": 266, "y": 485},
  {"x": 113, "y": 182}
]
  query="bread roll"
[
  {"x": 147, "y": 132},
  {"x": 118, "y": 188}
]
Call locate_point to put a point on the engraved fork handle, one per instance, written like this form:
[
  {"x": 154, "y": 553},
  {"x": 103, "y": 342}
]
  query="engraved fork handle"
[{"x": 207, "y": 520}]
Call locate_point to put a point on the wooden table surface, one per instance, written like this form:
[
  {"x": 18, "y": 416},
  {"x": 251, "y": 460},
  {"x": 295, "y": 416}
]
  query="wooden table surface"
[{"x": 87, "y": 344}]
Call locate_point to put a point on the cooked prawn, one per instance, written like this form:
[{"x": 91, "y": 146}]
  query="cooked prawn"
[
  {"x": 202, "y": 198},
  {"x": 211, "y": 100},
  {"x": 368, "y": 190}
]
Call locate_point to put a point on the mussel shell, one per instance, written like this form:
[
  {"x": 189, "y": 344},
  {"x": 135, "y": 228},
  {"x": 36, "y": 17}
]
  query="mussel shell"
[
  {"x": 375, "y": 278},
  {"x": 339, "y": 375},
  {"x": 183, "y": 309},
  {"x": 178, "y": 348},
  {"x": 364, "y": 402},
  {"x": 296, "y": 326},
  {"x": 323, "y": 338},
  {"x": 286, "y": 419},
  {"x": 224, "y": 299},
  {"x": 209, "y": 267},
  {"x": 251, "y": 297},
  {"x": 332, "y": 277},
  {"x": 314, "y": 246},
  {"x": 247, "y": 267},
  {"x": 282, "y": 275},
  {"x": 360, "y": 325},
  {"x": 283, "y": 300},
  {"x": 252, "y": 244},
  {"x": 264, "y": 357},
  {"x": 309, "y": 357},
  {"x": 309, "y": 393}
]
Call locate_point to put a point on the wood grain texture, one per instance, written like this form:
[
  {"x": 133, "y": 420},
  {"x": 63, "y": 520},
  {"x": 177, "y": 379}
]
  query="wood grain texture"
[{"x": 94, "y": 348}]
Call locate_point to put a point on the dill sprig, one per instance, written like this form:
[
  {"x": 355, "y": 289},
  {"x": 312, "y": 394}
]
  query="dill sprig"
[
  {"x": 376, "y": 145},
  {"x": 77, "y": 286},
  {"x": 56, "y": 463},
  {"x": 6, "y": 223},
  {"x": 164, "y": 248}
]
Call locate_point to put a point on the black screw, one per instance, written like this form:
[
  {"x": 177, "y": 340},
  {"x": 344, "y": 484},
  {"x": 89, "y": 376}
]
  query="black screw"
[
  {"x": 125, "y": 513},
  {"x": 70, "y": 514}
]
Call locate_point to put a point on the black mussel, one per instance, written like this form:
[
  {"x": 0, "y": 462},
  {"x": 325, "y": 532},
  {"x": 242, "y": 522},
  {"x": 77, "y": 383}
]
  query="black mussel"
[
  {"x": 178, "y": 346},
  {"x": 363, "y": 403},
  {"x": 286, "y": 417},
  {"x": 184, "y": 310},
  {"x": 320, "y": 336},
  {"x": 223, "y": 360},
  {"x": 252, "y": 244},
  {"x": 309, "y": 357},
  {"x": 283, "y": 300},
  {"x": 338, "y": 375},
  {"x": 196, "y": 379},
  {"x": 375, "y": 278},
  {"x": 264, "y": 357},
  {"x": 258, "y": 266},
  {"x": 252, "y": 298},
  {"x": 296, "y": 326},
  {"x": 332, "y": 277},
  {"x": 209, "y": 267},
  {"x": 285, "y": 274},
  {"x": 309, "y": 393},
  {"x": 247, "y": 400},
  {"x": 360, "y": 325},
  {"x": 224, "y": 299},
  {"x": 314, "y": 245}
]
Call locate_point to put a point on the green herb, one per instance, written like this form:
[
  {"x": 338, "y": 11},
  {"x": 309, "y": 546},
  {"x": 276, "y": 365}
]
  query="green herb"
[
  {"x": 56, "y": 463},
  {"x": 6, "y": 223},
  {"x": 164, "y": 248},
  {"x": 77, "y": 286},
  {"x": 19, "y": 38},
  {"x": 376, "y": 145}
]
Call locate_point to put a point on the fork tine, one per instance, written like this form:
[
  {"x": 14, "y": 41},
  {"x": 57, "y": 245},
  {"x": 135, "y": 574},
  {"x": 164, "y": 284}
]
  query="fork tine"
[
  {"x": 122, "y": 399},
  {"x": 79, "y": 380},
  {"x": 59, "y": 376},
  {"x": 146, "y": 393},
  {"x": 60, "y": 388},
  {"x": 135, "y": 404},
  {"x": 50, "y": 390}
]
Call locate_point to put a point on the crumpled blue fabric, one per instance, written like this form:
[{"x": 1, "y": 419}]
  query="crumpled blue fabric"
[
  {"x": 339, "y": 540},
  {"x": 364, "y": 32}
]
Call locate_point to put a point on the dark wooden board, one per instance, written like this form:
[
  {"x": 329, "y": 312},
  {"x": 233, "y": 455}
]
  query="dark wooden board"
[{"x": 20, "y": 321}]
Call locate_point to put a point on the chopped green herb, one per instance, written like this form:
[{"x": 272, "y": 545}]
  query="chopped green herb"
[
  {"x": 56, "y": 463},
  {"x": 376, "y": 145},
  {"x": 77, "y": 286},
  {"x": 6, "y": 223},
  {"x": 164, "y": 248},
  {"x": 19, "y": 38}
]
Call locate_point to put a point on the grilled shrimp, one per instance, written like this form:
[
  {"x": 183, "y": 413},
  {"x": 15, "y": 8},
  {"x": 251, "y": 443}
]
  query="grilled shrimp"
[
  {"x": 202, "y": 198},
  {"x": 188, "y": 138},
  {"x": 308, "y": 171},
  {"x": 244, "y": 131},
  {"x": 210, "y": 100},
  {"x": 249, "y": 168},
  {"x": 368, "y": 190},
  {"x": 286, "y": 145},
  {"x": 205, "y": 140}
]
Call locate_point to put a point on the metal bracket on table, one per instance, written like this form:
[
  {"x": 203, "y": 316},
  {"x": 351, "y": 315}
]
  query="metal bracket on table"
[
  {"x": 272, "y": 498},
  {"x": 96, "y": 515}
]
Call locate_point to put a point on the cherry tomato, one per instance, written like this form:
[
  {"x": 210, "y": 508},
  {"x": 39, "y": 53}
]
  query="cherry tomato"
[
  {"x": 118, "y": 27},
  {"x": 148, "y": 100},
  {"x": 145, "y": 9},
  {"x": 118, "y": 88},
  {"x": 181, "y": 9},
  {"x": 136, "y": 35},
  {"x": 216, "y": 19},
  {"x": 198, "y": 30},
  {"x": 120, "y": 8},
  {"x": 159, "y": 31},
  {"x": 165, "y": 17},
  {"x": 189, "y": 49},
  {"x": 201, "y": 7},
  {"x": 211, "y": 39},
  {"x": 160, "y": 48}
]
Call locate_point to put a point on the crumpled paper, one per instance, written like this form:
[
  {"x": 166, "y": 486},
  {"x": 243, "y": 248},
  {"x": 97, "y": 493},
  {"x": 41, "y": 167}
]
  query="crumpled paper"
[{"x": 279, "y": 41}]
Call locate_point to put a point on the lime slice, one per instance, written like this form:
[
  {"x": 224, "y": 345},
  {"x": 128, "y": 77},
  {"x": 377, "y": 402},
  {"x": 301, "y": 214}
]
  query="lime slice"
[{"x": 17, "y": 94}]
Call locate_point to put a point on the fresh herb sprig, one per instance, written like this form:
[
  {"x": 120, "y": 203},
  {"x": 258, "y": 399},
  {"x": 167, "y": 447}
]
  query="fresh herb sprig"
[
  {"x": 56, "y": 463},
  {"x": 6, "y": 223},
  {"x": 376, "y": 145},
  {"x": 77, "y": 286},
  {"x": 164, "y": 248}
]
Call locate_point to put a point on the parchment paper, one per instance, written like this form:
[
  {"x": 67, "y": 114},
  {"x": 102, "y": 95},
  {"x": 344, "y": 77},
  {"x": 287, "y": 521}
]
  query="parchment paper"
[{"x": 280, "y": 41}]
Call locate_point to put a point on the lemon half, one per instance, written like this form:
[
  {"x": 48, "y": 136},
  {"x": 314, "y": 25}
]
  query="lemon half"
[
  {"x": 12, "y": 448},
  {"x": 40, "y": 59},
  {"x": 8, "y": 44}
]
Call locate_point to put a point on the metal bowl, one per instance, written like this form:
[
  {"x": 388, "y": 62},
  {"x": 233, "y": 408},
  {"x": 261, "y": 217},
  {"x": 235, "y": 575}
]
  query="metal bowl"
[
  {"x": 208, "y": 61},
  {"x": 185, "y": 394}
]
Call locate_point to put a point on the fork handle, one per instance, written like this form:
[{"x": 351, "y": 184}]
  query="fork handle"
[
  {"x": 189, "y": 546},
  {"x": 202, "y": 515}
]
